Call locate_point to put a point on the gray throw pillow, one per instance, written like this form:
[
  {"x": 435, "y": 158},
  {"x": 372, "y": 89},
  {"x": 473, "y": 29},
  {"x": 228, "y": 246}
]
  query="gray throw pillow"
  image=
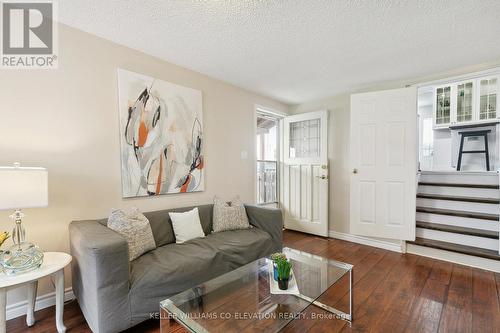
[
  {"x": 229, "y": 217},
  {"x": 135, "y": 228}
]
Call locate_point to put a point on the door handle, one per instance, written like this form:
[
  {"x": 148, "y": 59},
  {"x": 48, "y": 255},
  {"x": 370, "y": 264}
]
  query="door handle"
[
  {"x": 354, "y": 170},
  {"x": 322, "y": 177}
]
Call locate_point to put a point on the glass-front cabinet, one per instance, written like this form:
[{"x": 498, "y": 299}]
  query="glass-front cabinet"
[
  {"x": 443, "y": 106},
  {"x": 488, "y": 89},
  {"x": 466, "y": 102}
]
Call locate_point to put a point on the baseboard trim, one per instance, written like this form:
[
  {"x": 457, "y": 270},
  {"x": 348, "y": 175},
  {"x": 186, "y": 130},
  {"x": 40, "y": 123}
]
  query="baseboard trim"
[
  {"x": 454, "y": 257},
  {"x": 43, "y": 301},
  {"x": 366, "y": 241}
]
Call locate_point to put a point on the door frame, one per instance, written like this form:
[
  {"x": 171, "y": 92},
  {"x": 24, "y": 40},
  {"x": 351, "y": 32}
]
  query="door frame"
[{"x": 279, "y": 115}]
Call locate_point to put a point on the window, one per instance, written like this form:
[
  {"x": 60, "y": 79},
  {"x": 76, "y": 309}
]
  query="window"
[
  {"x": 304, "y": 138},
  {"x": 267, "y": 159},
  {"x": 427, "y": 138}
]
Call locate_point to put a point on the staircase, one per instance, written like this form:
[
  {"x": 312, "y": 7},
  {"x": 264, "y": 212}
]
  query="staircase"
[{"x": 458, "y": 213}]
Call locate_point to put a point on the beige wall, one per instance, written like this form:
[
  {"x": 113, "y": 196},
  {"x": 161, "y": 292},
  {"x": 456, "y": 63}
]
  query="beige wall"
[
  {"x": 67, "y": 121},
  {"x": 339, "y": 138}
]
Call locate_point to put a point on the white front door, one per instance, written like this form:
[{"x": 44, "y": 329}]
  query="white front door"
[
  {"x": 305, "y": 172},
  {"x": 384, "y": 163}
]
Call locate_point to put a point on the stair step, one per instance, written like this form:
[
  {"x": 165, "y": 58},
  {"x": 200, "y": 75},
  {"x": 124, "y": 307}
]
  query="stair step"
[
  {"x": 460, "y": 191},
  {"x": 458, "y": 230},
  {"x": 458, "y": 198},
  {"x": 457, "y": 221},
  {"x": 464, "y": 249},
  {"x": 472, "y": 215},
  {"x": 459, "y": 185}
]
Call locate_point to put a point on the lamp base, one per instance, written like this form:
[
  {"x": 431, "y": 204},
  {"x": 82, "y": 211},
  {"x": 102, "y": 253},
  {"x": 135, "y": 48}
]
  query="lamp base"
[
  {"x": 20, "y": 258},
  {"x": 18, "y": 234}
]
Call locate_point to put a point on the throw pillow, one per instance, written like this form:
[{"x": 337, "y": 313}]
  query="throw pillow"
[
  {"x": 135, "y": 228},
  {"x": 186, "y": 225},
  {"x": 229, "y": 216}
]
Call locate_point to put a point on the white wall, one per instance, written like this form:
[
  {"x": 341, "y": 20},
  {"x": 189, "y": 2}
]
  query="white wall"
[{"x": 67, "y": 121}]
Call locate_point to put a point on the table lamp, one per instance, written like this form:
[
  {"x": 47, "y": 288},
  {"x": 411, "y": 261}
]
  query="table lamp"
[{"x": 22, "y": 187}]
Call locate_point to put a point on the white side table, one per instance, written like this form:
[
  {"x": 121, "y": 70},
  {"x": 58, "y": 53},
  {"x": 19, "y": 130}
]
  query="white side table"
[{"x": 53, "y": 265}]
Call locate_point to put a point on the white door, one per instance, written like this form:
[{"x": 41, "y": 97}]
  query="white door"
[
  {"x": 305, "y": 172},
  {"x": 384, "y": 163}
]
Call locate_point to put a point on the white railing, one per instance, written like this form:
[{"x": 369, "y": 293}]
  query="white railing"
[{"x": 267, "y": 182}]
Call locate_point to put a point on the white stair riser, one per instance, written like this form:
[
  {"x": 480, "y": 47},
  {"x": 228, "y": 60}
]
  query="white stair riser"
[
  {"x": 459, "y": 205},
  {"x": 460, "y": 191},
  {"x": 458, "y": 221},
  {"x": 459, "y": 258},
  {"x": 480, "y": 242},
  {"x": 459, "y": 177}
]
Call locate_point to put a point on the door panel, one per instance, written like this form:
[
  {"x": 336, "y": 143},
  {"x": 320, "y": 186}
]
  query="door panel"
[
  {"x": 305, "y": 173},
  {"x": 367, "y": 201},
  {"x": 384, "y": 163}
]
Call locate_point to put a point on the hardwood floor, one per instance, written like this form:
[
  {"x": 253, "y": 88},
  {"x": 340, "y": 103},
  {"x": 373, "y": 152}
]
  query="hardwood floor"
[{"x": 392, "y": 293}]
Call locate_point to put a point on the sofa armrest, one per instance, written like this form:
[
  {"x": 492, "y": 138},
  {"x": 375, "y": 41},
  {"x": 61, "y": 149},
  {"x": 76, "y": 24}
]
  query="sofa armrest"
[
  {"x": 269, "y": 220},
  {"x": 100, "y": 275}
]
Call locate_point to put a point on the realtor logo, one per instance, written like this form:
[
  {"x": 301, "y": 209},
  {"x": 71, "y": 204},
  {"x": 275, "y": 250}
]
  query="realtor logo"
[{"x": 28, "y": 35}]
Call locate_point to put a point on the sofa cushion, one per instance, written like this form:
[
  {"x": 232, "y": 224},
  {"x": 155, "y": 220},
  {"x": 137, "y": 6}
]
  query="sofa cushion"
[
  {"x": 173, "y": 268},
  {"x": 161, "y": 225},
  {"x": 170, "y": 269},
  {"x": 242, "y": 246}
]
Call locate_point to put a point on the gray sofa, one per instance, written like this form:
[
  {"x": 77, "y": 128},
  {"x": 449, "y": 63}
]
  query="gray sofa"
[{"x": 115, "y": 294}]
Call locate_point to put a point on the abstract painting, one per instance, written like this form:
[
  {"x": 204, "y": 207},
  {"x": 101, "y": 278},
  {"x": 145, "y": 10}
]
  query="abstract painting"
[{"x": 161, "y": 136}]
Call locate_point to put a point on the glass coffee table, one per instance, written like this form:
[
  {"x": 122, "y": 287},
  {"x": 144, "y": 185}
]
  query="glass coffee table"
[{"x": 241, "y": 301}]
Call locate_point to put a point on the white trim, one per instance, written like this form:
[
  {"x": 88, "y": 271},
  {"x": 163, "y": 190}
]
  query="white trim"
[
  {"x": 43, "y": 301},
  {"x": 454, "y": 257},
  {"x": 278, "y": 115},
  {"x": 273, "y": 112},
  {"x": 254, "y": 154},
  {"x": 367, "y": 241}
]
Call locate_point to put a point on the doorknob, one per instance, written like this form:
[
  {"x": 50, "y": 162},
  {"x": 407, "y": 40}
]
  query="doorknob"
[
  {"x": 354, "y": 170},
  {"x": 322, "y": 177}
]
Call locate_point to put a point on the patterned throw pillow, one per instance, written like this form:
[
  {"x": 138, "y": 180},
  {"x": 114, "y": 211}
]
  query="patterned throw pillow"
[
  {"x": 229, "y": 217},
  {"x": 135, "y": 228}
]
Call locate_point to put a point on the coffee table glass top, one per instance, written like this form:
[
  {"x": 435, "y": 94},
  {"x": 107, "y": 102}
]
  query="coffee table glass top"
[{"x": 241, "y": 300}]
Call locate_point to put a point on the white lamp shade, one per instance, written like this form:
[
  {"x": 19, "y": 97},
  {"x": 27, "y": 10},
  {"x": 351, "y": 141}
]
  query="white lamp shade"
[{"x": 23, "y": 187}]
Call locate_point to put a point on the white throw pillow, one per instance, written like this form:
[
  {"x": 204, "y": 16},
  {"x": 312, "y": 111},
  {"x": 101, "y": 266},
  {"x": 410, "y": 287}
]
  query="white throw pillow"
[
  {"x": 186, "y": 225},
  {"x": 229, "y": 217},
  {"x": 135, "y": 228}
]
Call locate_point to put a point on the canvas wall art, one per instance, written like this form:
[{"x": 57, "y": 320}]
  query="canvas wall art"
[{"x": 161, "y": 136}]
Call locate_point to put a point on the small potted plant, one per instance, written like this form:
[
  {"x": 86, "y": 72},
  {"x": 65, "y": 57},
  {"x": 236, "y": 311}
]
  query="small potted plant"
[
  {"x": 284, "y": 268},
  {"x": 275, "y": 257}
]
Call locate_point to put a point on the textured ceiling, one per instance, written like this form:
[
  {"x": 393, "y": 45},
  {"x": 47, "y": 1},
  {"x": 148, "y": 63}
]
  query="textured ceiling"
[{"x": 299, "y": 50}]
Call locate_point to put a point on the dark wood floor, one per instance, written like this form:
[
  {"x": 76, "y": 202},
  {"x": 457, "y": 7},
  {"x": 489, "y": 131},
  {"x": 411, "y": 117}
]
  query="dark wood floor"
[{"x": 392, "y": 293}]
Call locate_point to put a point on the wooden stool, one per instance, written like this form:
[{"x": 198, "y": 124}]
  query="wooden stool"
[{"x": 484, "y": 134}]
